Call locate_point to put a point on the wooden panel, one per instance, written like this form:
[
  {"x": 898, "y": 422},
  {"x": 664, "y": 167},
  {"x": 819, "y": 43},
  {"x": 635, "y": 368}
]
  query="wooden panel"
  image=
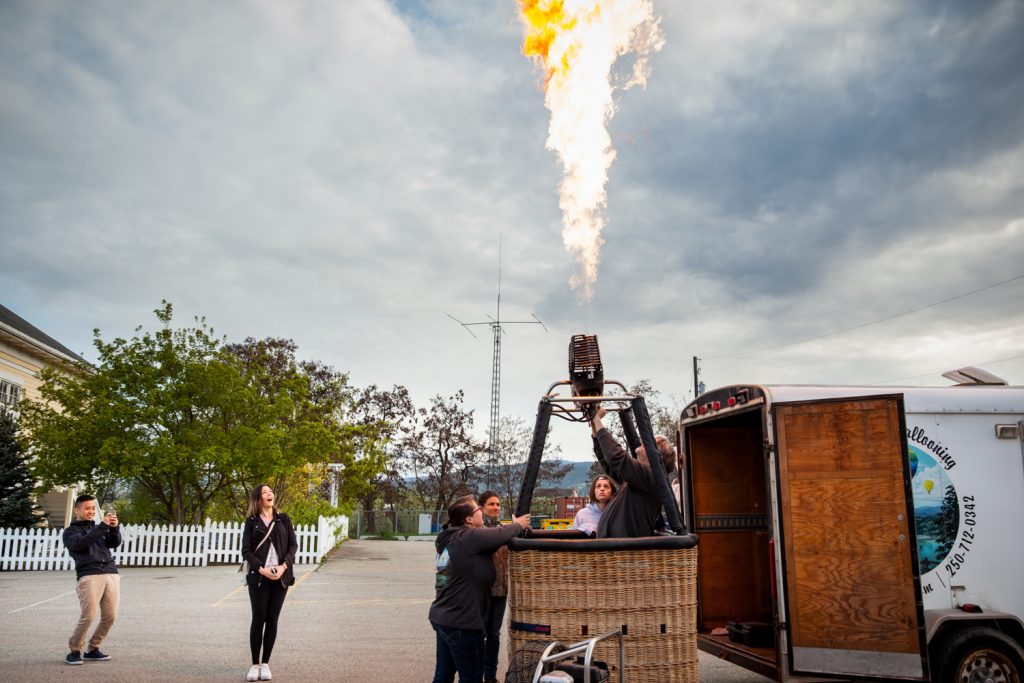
[
  {"x": 849, "y": 566},
  {"x": 734, "y": 578},
  {"x": 727, "y": 471}
]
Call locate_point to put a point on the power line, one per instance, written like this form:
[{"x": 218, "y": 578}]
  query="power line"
[
  {"x": 863, "y": 325},
  {"x": 938, "y": 372}
]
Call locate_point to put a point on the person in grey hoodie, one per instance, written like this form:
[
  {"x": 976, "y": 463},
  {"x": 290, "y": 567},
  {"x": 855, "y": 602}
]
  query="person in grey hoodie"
[
  {"x": 99, "y": 585},
  {"x": 465, "y": 574}
]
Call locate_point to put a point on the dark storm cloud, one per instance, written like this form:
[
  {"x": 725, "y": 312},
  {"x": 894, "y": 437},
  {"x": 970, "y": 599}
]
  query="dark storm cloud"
[
  {"x": 789, "y": 168},
  {"x": 339, "y": 173}
]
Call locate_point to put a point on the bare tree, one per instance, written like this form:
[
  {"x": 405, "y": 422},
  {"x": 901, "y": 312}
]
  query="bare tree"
[
  {"x": 442, "y": 453},
  {"x": 392, "y": 417},
  {"x": 514, "y": 440}
]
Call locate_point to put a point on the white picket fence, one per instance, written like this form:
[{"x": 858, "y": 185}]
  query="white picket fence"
[{"x": 144, "y": 545}]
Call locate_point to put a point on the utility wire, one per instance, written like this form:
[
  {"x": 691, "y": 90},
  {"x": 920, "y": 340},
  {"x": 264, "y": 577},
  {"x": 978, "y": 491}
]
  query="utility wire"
[
  {"x": 939, "y": 372},
  {"x": 862, "y": 325}
]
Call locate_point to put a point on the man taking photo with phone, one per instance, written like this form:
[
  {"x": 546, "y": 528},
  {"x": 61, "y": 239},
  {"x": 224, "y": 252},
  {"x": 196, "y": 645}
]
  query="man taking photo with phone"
[{"x": 99, "y": 586}]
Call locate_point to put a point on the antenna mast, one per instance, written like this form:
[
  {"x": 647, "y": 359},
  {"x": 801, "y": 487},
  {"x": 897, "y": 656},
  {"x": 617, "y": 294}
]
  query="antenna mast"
[{"x": 496, "y": 324}]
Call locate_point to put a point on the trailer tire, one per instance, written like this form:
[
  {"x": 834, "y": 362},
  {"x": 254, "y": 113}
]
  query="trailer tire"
[{"x": 977, "y": 654}]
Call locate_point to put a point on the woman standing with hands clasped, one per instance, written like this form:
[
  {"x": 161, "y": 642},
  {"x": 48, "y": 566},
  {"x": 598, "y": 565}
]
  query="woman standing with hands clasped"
[{"x": 269, "y": 546}]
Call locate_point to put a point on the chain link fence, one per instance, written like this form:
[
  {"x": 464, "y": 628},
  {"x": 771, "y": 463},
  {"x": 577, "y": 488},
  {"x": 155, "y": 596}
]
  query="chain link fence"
[{"x": 396, "y": 522}]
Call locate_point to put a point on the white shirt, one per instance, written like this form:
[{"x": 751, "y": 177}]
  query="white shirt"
[
  {"x": 586, "y": 519},
  {"x": 272, "y": 560}
]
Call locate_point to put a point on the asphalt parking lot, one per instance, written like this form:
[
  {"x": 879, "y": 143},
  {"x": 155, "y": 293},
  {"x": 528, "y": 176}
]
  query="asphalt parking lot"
[{"x": 359, "y": 616}]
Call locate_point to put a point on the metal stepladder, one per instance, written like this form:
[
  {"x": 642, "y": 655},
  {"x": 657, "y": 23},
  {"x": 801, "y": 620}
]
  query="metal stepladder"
[{"x": 586, "y": 647}]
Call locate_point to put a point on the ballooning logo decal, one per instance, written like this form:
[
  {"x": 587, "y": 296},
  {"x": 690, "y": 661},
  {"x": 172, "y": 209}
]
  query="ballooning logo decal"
[{"x": 944, "y": 517}]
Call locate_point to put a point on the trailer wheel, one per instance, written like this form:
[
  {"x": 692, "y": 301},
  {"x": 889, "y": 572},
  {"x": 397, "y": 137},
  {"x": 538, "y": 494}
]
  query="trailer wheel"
[{"x": 981, "y": 655}]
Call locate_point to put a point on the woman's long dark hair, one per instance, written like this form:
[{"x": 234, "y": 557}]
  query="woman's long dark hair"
[{"x": 256, "y": 501}]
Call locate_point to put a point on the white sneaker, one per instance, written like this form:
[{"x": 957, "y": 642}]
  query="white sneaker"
[
  {"x": 254, "y": 673},
  {"x": 265, "y": 674}
]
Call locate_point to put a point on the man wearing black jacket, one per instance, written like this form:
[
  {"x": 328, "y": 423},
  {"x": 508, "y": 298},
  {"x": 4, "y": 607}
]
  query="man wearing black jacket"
[
  {"x": 636, "y": 509},
  {"x": 99, "y": 586}
]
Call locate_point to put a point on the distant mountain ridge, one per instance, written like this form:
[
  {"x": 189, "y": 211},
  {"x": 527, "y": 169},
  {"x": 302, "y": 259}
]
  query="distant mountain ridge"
[{"x": 578, "y": 476}]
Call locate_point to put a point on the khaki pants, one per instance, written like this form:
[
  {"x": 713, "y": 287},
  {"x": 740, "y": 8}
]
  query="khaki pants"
[{"x": 98, "y": 591}]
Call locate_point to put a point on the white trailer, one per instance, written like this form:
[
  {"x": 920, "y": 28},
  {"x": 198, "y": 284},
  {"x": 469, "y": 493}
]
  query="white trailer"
[{"x": 877, "y": 531}]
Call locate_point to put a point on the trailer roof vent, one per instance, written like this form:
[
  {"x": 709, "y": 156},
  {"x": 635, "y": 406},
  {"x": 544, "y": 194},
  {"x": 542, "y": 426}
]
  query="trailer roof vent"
[{"x": 972, "y": 375}]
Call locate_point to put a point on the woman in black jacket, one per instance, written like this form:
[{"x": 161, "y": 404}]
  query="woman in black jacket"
[
  {"x": 465, "y": 574},
  {"x": 269, "y": 546}
]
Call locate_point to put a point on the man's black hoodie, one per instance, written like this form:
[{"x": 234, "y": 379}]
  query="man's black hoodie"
[{"x": 89, "y": 545}]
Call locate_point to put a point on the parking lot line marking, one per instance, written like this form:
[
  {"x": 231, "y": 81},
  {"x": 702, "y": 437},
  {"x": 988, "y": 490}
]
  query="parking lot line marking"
[
  {"x": 301, "y": 579},
  {"x": 41, "y": 602},
  {"x": 232, "y": 593}
]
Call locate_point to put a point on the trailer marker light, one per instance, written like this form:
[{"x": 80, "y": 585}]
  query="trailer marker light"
[
  {"x": 703, "y": 409},
  {"x": 732, "y": 401},
  {"x": 716, "y": 405}
]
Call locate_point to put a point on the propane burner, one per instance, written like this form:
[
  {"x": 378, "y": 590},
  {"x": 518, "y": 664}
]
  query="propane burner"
[{"x": 585, "y": 370}]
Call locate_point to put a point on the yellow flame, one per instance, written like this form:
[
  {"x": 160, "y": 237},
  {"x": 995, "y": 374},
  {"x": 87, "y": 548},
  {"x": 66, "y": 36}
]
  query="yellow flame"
[{"x": 577, "y": 42}]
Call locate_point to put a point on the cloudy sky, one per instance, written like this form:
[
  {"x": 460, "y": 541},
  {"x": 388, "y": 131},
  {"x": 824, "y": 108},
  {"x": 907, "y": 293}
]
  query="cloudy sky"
[{"x": 340, "y": 172}]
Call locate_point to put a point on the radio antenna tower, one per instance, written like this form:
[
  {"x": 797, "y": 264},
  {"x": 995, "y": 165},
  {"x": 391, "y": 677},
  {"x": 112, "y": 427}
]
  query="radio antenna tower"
[{"x": 497, "y": 329}]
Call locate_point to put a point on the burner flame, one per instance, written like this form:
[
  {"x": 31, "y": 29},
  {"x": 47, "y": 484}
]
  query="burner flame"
[{"x": 577, "y": 43}]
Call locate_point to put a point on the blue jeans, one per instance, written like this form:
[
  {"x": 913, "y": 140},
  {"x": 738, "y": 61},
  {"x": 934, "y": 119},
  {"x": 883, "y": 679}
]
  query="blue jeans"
[
  {"x": 459, "y": 650},
  {"x": 492, "y": 644}
]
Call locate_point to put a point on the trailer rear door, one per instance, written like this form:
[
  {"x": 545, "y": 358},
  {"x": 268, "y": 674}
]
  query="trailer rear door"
[{"x": 851, "y": 575}]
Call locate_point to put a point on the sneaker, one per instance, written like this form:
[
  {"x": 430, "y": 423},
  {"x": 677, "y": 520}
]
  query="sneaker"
[
  {"x": 95, "y": 656},
  {"x": 254, "y": 673},
  {"x": 265, "y": 674},
  {"x": 74, "y": 657}
]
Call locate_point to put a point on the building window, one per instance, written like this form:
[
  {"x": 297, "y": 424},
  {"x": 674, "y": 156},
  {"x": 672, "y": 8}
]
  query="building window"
[{"x": 10, "y": 394}]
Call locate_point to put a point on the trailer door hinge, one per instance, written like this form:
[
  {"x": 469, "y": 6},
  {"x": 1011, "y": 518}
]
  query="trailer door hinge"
[{"x": 769, "y": 448}]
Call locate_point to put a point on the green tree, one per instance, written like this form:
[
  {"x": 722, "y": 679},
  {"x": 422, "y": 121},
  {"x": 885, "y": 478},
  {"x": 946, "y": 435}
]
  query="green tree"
[
  {"x": 391, "y": 416},
  {"x": 176, "y": 416},
  {"x": 950, "y": 521},
  {"x": 17, "y": 507},
  {"x": 328, "y": 400}
]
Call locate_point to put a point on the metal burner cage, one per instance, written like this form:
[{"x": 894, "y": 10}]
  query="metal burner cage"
[
  {"x": 585, "y": 369},
  {"x": 636, "y": 424},
  {"x": 562, "y": 582}
]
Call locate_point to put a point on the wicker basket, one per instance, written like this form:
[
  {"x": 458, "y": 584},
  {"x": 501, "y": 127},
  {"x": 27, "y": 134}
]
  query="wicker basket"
[{"x": 571, "y": 590}]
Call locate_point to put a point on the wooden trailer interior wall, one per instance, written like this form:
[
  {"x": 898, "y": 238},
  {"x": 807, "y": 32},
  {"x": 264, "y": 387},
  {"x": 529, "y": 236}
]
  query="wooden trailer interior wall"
[{"x": 730, "y": 506}]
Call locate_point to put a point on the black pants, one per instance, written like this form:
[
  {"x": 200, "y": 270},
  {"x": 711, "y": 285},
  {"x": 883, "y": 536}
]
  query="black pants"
[
  {"x": 267, "y": 600},
  {"x": 492, "y": 635}
]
